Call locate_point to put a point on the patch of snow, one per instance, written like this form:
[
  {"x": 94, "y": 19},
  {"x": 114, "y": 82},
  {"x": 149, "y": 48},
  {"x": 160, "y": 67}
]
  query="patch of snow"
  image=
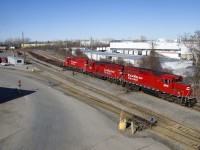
[{"x": 179, "y": 67}]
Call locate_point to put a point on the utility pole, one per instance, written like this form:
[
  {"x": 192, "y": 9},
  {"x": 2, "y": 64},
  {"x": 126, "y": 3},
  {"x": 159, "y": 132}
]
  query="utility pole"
[
  {"x": 91, "y": 43},
  {"x": 66, "y": 44},
  {"x": 66, "y": 49},
  {"x": 23, "y": 43}
]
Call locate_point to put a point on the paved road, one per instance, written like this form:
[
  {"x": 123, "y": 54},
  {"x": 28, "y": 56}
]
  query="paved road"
[{"x": 45, "y": 119}]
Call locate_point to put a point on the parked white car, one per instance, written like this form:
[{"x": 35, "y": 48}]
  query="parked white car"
[{"x": 4, "y": 64}]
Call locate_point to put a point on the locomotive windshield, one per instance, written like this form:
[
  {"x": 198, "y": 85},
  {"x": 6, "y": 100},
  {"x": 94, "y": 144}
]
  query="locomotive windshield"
[{"x": 178, "y": 80}]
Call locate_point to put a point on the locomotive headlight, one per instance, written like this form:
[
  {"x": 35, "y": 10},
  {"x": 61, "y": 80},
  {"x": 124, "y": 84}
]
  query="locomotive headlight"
[{"x": 188, "y": 88}]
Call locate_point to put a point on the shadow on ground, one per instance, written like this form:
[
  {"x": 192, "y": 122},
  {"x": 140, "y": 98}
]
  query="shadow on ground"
[{"x": 9, "y": 94}]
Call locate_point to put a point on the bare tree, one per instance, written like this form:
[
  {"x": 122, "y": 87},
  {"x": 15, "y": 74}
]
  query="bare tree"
[
  {"x": 26, "y": 40},
  {"x": 9, "y": 41},
  {"x": 16, "y": 41},
  {"x": 152, "y": 61},
  {"x": 120, "y": 61},
  {"x": 69, "y": 52},
  {"x": 142, "y": 38},
  {"x": 75, "y": 43},
  {"x": 144, "y": 62},
  {"x": 192, "y": 42},
  {"x": 80, "y": 54}
]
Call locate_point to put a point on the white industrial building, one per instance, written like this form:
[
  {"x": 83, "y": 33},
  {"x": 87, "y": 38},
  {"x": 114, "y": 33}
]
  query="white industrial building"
[
  {"x": 97, "y": 55},
  {"x": 15, "y": 60},
  {"x": 169, "y": 49},
  {"x": 91, "y": 42},
  {"x": 132, "y": 52}
]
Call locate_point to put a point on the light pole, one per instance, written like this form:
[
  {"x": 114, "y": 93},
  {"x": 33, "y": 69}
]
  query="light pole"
[{"x": 23, "y": 43}]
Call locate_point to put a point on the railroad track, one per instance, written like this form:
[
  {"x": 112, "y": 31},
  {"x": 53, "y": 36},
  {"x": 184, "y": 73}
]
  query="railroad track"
[
  {"x": 48, "y": 56},
  {"x": 91, "y": 100},
  {"x": 165, "y": 128}
]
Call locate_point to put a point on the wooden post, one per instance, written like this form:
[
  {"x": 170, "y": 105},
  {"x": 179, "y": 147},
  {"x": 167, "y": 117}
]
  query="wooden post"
[{"x": 132, "y": 128}]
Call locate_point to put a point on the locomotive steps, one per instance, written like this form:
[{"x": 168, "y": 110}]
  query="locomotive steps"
[{"x": 166, "y": 128}]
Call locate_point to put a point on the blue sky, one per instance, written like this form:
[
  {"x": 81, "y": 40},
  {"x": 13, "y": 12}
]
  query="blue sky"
[{"x": 44, "y": 20}]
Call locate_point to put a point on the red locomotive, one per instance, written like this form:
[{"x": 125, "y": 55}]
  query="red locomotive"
[
  {"x": 111, "y": 72},
  {"x": 166, "y": 86},
  {"x": 78, "y": 64}
]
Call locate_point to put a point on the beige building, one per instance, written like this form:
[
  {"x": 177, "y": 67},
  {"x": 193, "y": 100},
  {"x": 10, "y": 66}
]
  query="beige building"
[{"x": 36, "y": 44}]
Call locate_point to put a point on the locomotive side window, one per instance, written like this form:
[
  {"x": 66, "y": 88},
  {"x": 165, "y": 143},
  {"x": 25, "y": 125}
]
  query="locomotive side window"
[
  {"x": 166, "y": 81},
  {"x": 122, "y": 68}
]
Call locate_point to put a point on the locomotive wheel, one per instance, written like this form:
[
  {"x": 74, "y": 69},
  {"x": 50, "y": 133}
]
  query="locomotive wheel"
[
  {"x": 118, "y": 82},
  {"x": 183, "y": 101},
  {"x": 111, "y": 80},
  {"x": 136, "y": 88},
  {"x": 128, "y": 87},
  {"x": 171, "y": 99},
  {"x": 177, "y": 100},
  {"x": 160, "y": 95},
  {"x": 164, "y": 96},
  {"x": 190, "y": 102},
  {"x": 133, "y": 87},
  {"x": 115, "y": 81},
  {"x": 123, "y": 84}
]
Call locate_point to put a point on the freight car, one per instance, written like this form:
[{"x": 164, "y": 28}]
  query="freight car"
[{"x": 167, "y": 86}]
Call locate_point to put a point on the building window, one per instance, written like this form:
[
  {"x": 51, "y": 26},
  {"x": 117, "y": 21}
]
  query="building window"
[
  {"x": 19, "y": 61},
  {"x": 140, "y": 52}
]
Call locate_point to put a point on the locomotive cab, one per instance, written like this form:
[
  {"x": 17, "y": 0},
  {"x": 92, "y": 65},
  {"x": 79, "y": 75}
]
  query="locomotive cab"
[
  {"x": 167, "y": 84},
  {"x": 183, "y": 89},
  {"x": 89, "y": 66},
  {"x": 67, "y": 62},
  {"x": 174, "y": 85}
]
